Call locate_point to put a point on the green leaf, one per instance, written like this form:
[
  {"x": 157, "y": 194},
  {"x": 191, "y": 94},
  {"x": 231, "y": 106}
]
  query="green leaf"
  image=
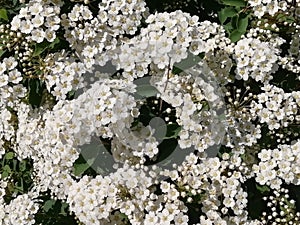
[
  {"x": 6, "y": 171},
  {"x": 146, "y": 90},
  {"x": 2, "y": 52},
  {"x": 64, "y": 208},
  {"x": 54, "y": 42},
  {"x": 3, "y": 14},
  {"x": 187, "y": 63},
  {"x": 20, "y": 188},
  {"x": 262, "y": 189},
  {"x": 4, "y": 174},
  {"x": 9, "y": 155},
  {"x": 80, "y": 168},
  {"x": 22, "y": 165},
  {"x": 225, "y": 13},
  {"x": 237, "y": 3},
  {"x": 234, "y": 21},
  {"x": 235, "y": 35},
  {"x": 41, "y": 47},
  {"x": 49, "y": 204},
  {"x": 228, "y": 27},
  {"x": 242, "y": 24},
  {"x": 7, "y": 168},
  {"x": 166, "y": 148},
  {"x": 36, "y": 88},
  {"x": 172, "y": 131}
]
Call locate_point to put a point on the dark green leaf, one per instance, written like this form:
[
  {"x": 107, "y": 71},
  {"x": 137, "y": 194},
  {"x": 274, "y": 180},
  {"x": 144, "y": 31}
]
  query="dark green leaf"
[
  {"x": 54, "y": 42},
  {"x": 187, "y": 63},
  {"x": 2, "y": 52},
  {"x": 49, "y": 204},
  {"x": 3, "y": 14},
  {"x": 228, "y": 27},
  {"x": 234, "y": 21},
  {"x": 172, "y": 131},
  {"x": 166, "y": 148},
  {"x": 262, "y": 189},
  {"x": 4, "y": 174},
  {"x": 242, "y": 24},
  {"x": 235, "y": 35},
  {"x": 7, "y": 168},
  {"x": 225, "y": 13},
  {"x": 36, "y": 88},
  {"x": 9, "y": 155},
  {"x": 237, "y": 3},
  {"x": 146, "y": 90},
  {"x": 41, "y": 47},
  {"x": 80, "y": 168},
  {"x": 22, "y": 165},
  {"x": 64, "y": 208},
  {"x": 20, "y": 187}
]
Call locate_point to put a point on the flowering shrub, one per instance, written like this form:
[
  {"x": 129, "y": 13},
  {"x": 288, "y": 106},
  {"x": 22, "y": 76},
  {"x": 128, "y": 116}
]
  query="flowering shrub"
[{"x": 158, "y": 112}]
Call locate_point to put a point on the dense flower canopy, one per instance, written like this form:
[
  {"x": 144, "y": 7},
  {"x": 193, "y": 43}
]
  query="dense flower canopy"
[{"x": 115, "y": 112}]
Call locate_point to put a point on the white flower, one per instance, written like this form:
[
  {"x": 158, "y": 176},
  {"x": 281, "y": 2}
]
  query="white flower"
[
  {"x": 272, "y": 8},
  {"x": 23, "y": 13},
  {"x": 10, "y": 63},
  {"x": 164, "y": 44},
  {"x": 26, "y": 26},
  {"x": 50, "y": 35},
  {"x": 264, "y": 155},
  {"x": 254, "y": 2},
  {"x": 38, "y": 35},
  {"x": 35, "y": 9},
  {"x": 181, "y": 219},
  {"x": 264, "y": 115},
  {"x": 15, "y": 76},
  {"x": 151, "y": 218},
  {"x": 3, "y": 80},
  {"x": 15, "y": 23},
  {"x": 38, "y": 21},
  {"x": 165, "y": 187},
  {"x": 2, "y": 68}
]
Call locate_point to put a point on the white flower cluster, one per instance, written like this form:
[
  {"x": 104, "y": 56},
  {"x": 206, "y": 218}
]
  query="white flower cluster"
[
  {"x": 10, "y": 97},
  {"x": 211, "y": 181},
  {"x": 3, "y": 185},
  {"x": 262, "y": 7},
  {"x": 164, "y": 41},
  {"x": 291, "y": 62},
  {"x": 167, "y": 40},
  {"x": 63, "y": 77},
  {"x": 134, "y": 144},
  {"x": 130, "y": 192},
  {"x": 38, "y": 20},
  {"x": 70, "y": 125},
  {"x": 278, "y": 165},
  {"x": 276, "y": 107},
  {"x": 255, "y": 59},
  {"x": 220, "y": 62},
  {"x": 282, "y": 209},
  {"x": 240, "y": 130},
  {"x": 52, "y": 135},
  {"x": 23, "y": 208},
  {"x": 190, "y": 95},
  {"x": 95, "y": 37},
  {"x": 8, "y": 72}
]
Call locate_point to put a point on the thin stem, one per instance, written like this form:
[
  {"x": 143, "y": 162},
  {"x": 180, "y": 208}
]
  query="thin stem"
[{"x": 165, "y": 88}]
